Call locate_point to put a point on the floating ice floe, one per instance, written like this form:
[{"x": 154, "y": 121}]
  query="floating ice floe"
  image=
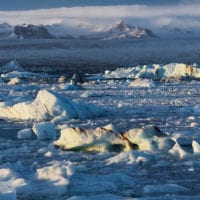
[
  {"x": 1, "y": 81},
  {"x": 105, "y": 139},
  {"x": 165, "y": 188},
  {"x": 22, "y": 75},
  {"x": 156, "y": 71},
  {"x": 7, "y": 192},
  {"x": 47, "y": 106},
  {"x": 9, "y": 183},
  {"x": 196, "y": 147},
  {"x": 142, "y": 83},
  {"x": 130, "y": 157},
  {"x": 57, "y": 176},
  {"x": 14, "y": 81},
  {"x": 13, "y": 70},
  {"x": 87, "y": 183},
  {"x": 179, "y": 151},
  {"x": 99, "y": 197},
  {"x": 25, "y": 133},
  {"x": 11, "y": 66},
  {"x": 62, "y": 79},
  {"x": 184, "y": 147},
  {"x": 44, "y": 130},
  {"x": 70, "y": 86}
]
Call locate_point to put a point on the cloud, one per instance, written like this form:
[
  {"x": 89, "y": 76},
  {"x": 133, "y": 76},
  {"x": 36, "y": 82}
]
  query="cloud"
[{"x": 157, "y": 15}]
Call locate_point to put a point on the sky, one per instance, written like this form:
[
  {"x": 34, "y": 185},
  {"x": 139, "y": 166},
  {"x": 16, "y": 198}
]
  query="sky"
[
  {"x": 145, "y": 13},
  {"x": 39, "y": 4}
]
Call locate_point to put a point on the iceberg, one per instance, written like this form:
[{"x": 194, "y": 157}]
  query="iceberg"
[
  {"x": 156, "y": 71},
  {"x": 101, "y": 139},
  {"x": 12, "y": 66},
  {"x": 47, "y": 106},
  {"x": 94, "y": 140}
]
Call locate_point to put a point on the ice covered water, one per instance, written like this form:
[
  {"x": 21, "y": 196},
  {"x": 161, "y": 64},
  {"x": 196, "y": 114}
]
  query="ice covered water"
[{"x": 33, "y": 167}]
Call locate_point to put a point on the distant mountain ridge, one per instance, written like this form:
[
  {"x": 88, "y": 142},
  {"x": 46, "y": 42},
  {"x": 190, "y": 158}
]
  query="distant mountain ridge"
[
  {"x": 24, "y": 32},
  {"x": 32, "y": 32},
  {"x": 119, "y": 30},
  {"x": 6, "y": 31}
]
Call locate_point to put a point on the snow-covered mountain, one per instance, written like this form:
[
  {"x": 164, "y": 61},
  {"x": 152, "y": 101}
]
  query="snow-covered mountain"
[{"x": 121, "y": 30}]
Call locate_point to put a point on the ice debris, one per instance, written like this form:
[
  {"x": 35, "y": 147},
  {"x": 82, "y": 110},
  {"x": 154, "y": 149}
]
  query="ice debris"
[
  {"x": 9, "y": 182},
  {"x": 14, "y": 81},
  {"x": 70, "y": 86},
  {"x": 7, "y": 192},
  {"x": 99, "y": 197},
  {"x": 13, "y": 70},
  {"x": 142, "y": 83},
  {"x": 130, "y": 157}
]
